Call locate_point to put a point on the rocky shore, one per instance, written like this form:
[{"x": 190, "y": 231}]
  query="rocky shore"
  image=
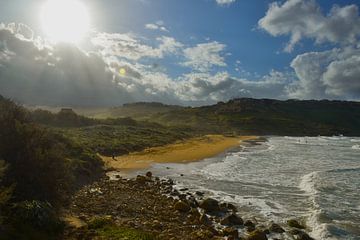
[{"x": 151, "y": 208}]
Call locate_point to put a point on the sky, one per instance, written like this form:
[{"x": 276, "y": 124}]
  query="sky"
[{"x": 98, "y": 53}]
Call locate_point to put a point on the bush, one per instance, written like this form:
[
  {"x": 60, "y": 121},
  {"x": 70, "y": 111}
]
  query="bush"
[{"x": 36, "y": 214}]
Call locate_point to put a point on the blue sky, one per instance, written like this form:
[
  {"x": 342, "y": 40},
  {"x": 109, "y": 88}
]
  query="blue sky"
[{"x": 215, "y": 51}]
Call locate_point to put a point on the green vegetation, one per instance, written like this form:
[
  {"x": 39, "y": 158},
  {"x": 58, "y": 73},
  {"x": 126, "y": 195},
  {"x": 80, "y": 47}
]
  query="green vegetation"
[
  {"x": 106, "y": 230},
  {"x": 39, "y": 170},
  {"x": 269, "y": 117},
  {"x": 111, "y": 140}
]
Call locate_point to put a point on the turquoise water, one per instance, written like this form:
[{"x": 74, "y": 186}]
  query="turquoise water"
[{"x": 316, "y": 179}]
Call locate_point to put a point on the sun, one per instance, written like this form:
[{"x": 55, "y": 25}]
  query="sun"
[{"x": 65, "y": 20}]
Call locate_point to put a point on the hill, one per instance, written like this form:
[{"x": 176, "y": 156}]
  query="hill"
[{"x": 269, "y": 117}]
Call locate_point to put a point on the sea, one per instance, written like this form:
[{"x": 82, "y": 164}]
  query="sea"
[{"x": 313, "y": 179}]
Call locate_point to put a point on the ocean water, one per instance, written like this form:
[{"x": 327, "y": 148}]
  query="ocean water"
[{"x": 314, "y": 179}]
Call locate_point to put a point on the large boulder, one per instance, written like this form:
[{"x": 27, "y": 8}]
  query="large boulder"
[
  {"x": 210, "y": 205},
  {"x": 232, "y": 220},
  {"x": 182, "y": 206}
]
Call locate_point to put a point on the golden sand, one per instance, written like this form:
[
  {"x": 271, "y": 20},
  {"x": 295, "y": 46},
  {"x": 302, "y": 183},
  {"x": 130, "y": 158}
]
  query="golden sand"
[{"x": 191, "y": 150}]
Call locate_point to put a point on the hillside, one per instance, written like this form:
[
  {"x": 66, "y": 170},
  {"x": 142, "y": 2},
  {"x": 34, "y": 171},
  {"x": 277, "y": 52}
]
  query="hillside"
[{"x": 270, "y": 117}]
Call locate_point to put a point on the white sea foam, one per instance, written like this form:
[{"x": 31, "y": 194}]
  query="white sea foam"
[{"x": 356, "y": 147}]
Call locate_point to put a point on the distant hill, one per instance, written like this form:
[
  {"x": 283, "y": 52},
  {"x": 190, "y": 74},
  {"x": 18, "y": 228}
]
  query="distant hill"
[
  {"x": 270, "y": 117},
  {"x": 246, "y": 116}
]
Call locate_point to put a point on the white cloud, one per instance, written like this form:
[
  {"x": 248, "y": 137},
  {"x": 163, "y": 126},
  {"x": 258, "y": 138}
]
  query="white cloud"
[
  {"x": 225, "y": 2},
  {"x": 330, "y": 74},
  {"x": 204, "y": 56},
  {"x": 130, "y": 47},
  {"x": 159, "y": 25},
  {"x": 304, "y": 19}
]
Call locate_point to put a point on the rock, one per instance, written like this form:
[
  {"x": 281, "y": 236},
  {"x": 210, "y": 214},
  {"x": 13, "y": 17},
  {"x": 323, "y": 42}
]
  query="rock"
[
  {"x": 232, "y": 220},
  {"x": 141, "y": 179},
  {"x": 199, "y": 193},
  {"x": 183, "y": 189},
  {"x": 250, "y": 226},
  {"x": 182, "y": 206},
  {"x": 231, "y": 232},
  {"x": 300, "y": 235},
  {"x": 295, "y": 224},
  {"x": 149, "y": 174},
  {"x": 231, "y": 207},
  {"x": 257, "y": 235},
  {"x": 275, "y": 228},
  {"x": 210, "y": 205},
  {"x": 204, "y": 219}
]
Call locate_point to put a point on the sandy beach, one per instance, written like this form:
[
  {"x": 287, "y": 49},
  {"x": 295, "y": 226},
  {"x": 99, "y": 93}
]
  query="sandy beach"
[{"x": 190, "y": 150}]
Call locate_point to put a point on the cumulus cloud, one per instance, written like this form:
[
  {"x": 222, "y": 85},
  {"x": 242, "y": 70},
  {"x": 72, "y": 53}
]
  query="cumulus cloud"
[
  {"x": 330, "y": 74},
  {"x": 225, "y": 2},
  {"x": 204, "y": 56},
  {"x": 204, "y": 88},
  {"x": 304, "y": 19},
  {"x": 159, "y": 25},
  {"x": 129, "y": 47}
]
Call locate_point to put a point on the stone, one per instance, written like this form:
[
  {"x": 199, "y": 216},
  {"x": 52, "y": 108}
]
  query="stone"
[
  {"x": 257, "y": 235},
  {"x": 300, "y": 235},
  {"x": 295, "y": 224},
  {"x": 199, "y": 193},
  {"x": 141, "y": 179},
  {"x": 275, "y": 228},
  {"x": 232, "y": 220},
  {"x": 182, "y": 206},
  {"x": 210, "y": 205},
  {"x": 231, "y": 232},
  {"x": 149, "y": 174},
  {"x": 204, "y": 219}
]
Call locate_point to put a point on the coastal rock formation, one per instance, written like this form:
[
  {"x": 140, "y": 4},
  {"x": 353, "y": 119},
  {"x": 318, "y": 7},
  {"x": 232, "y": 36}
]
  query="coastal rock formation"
[
  {"x": 232, "y": 220},
  {"x": 210, "y": 205}
]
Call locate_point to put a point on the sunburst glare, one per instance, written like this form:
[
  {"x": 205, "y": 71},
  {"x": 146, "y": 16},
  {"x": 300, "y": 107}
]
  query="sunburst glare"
[{"x": 65, "y": 20}]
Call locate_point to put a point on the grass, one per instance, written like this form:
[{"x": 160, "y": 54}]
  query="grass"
[
  {"x": 121, "y": 139},
  {"x": 105, "y": 229}
]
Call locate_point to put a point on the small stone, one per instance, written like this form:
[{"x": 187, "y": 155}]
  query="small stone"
[
  {"x": 295, "y": 224},
  {"x": 182, "y": 206},
  {"x": 275, "y": 228},
  {"x": 204, "y": 219},
  {"x": 199, "y": 193},
  {"x": 149, "y": 174},
  {"x": 231, "y": 231},
  {"x": 257, "y": 235},
  {"x": 232, "y": 220},
  {"x": 141, "y": 179},
  {"x": 300, "y": 235}
]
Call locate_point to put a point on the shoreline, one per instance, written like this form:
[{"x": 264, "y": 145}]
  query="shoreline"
[{"x": 191, "y": 150}]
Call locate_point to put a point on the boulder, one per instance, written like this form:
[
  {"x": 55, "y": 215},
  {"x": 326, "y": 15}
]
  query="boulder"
[
  {"x": 295, "y": 224},
  {"x": 275, "y": 228},
  {"x": 210, "y": 205},
  {"x": 232, "y": 220},
  {"x": 257, "y": 235},
  {"x": 182, "y": 206},
  {"x": 231, "y": 232}
]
